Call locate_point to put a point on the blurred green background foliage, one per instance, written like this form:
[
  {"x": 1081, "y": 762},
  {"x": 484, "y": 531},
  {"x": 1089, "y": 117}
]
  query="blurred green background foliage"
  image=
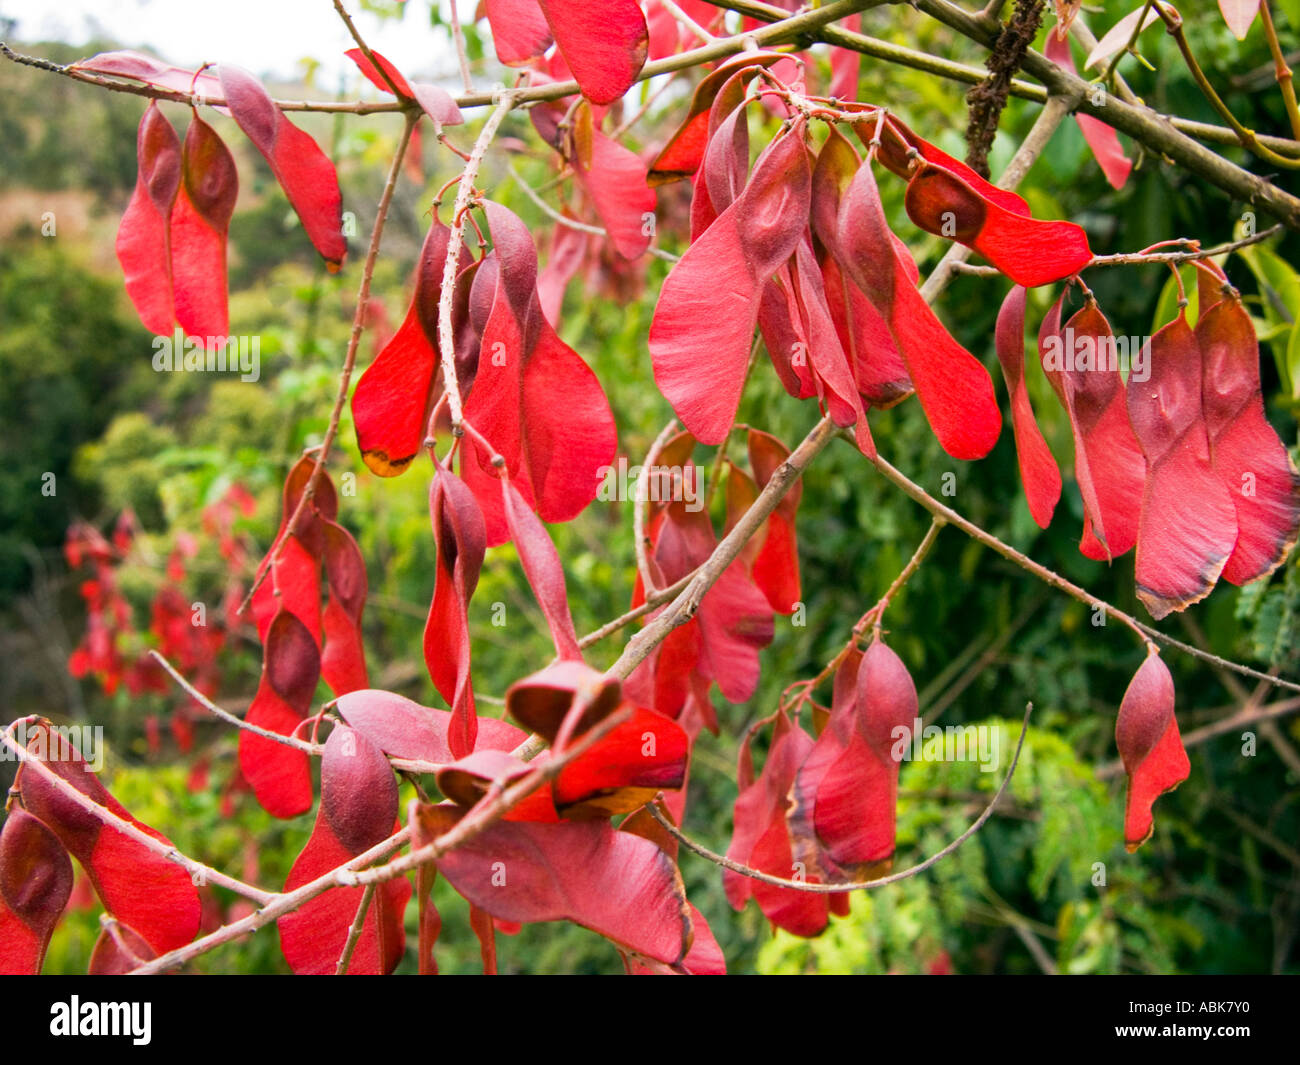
[{"x": 1216, "y": 890}]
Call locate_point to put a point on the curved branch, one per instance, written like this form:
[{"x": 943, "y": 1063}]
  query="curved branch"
[
  {"x": 1140, "y": 123},
  {"x": 640, "y": 500},
  {"x": 788, "y": 28},
  {"x": 456, "y": 241},
  {"x": 854, "y": 885},
  {"x": 1144, "y": 632}
]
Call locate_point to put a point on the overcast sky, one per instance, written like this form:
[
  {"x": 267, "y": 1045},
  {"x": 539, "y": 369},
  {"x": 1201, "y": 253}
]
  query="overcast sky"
[{"x": 268, "y": 37}]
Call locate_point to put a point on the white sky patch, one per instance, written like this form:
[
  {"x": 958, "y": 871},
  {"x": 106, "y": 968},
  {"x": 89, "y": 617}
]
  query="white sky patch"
[{"x": 268, "y": 37}]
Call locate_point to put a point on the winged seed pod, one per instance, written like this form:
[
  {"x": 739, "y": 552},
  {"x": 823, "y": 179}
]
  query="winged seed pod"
[
  {"x": 35, "y": 884},
  {"x": 358, "y": 809},
  {"x": 1146, "y": 733},
  {"x": 137, "y": 886}
]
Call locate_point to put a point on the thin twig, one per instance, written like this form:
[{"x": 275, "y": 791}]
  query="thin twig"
[
  {"x": 1145, "y": 258},
  {"x": 573, "y": 223},
  {"x": 789, "y": 28},
  {"x": 462, "y": 57},
  {"x": 1174, "y": 25},
  {"x": 1144, "y": 632},
  {"x": 652, "y": 601},
  {"x": 349, "y": 360},
  {"x": 455, "y": 241},
  {"x": 359, "y": 921},
  {"x": 226, "y": 716},
  {"x": 1130, "y": 48},
  {"x": 685, "y": 20},
  {"x": 1144, "y": 125},
  {"x": 365, "y": 51},
  {"x": 1281, "y": 71},
  {"x": 683, "y": 608}
]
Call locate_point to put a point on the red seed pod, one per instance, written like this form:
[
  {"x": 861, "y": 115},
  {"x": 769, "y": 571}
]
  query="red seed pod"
[
  {"x": 1249, "y": 459},
  {"x": 460, "y": 539},
  {"x": 1188, "y": 524},
  {"x": 136, "y": 885},
  {"x": 144, "y": 237},
  {"x": 955, "y": 390},
  {"x": 302, "y": 169},
  {"x": 199, "y": 223},
  {"x": 1108, "y": 461},
  {"x": 535, "y": 401},
  {"x": 616, "y": 883},
  {"x": 343, "y": 659},
  {"x": 1146, "y": 733},
  {"x": 358, "y": 809},
  {"x": 704, "y": 321},
  {"x": 761, "y": 838},
  {"x": 35, "y": 885},
  {"x": 357, "y": 789},
  {"x": 846, "y": 791},
  {"x": 1038, "y": 470}
]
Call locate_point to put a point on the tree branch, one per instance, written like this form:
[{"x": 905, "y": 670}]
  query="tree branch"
[
  {"x": 1140, "y": 123},
  {"x": 1143, "y": 631},
  {"x": 683, "y": 608},
  {"x": 464, "y": 197}
]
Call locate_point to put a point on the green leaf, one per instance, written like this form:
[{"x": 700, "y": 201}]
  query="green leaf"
[{"x": 1291, "y": 364}]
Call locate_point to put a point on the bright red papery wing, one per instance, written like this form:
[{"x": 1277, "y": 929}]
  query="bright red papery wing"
[
  {"x": 1108, "y": 460},
  {"x": 1146, "y": 733},
  {"x": 35, "y": 885},
  {"x": 893, "y": 155},
  {"x": 142, "y": 889},
  {"x": 703, "y": 323},
  {"x": 617, "y": 884},
  {"x": 761, "y": 839},
  {"x": 143, "y": 239},
  {"x": 358, "y": 809},
  {"x": 459, "y": 537},
  {"x": 625, "y": 769},
  {"x": 279, "y": 775},
  {"x": 302, "y": 169},
  {"x": 519, "y": 30},
  {"x": 569, "y": 427},
  {"x": 542, "y": 567},
  {"x": 1188, "y": 524},
  {"x": 1028, "y": 250},
  {"x": 955, "y": 390},
  {"x": 1038, "y": 470},
  {"x": 141, "y": 67},
  {"x": 704, "y": 319},
  {"x": 406, "y": 729},
  {"x": 343, "y": 660},
  {"x": 199, "y": 221},
  {"x": 392, "y": 400},
  {"x": 682, "y": 156},
  {"x": 605, "y": 46},
  {"x": 1247, "y": 455}
]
